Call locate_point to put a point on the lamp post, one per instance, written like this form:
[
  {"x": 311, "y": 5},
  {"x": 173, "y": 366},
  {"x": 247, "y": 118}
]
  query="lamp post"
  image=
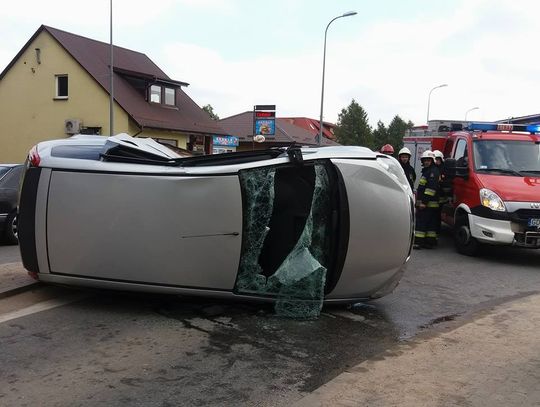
[
  {"x": 111, "y": 81},
  {"x": 348, "y": 14},
  {"x": 429, "y": 99},
  {"x": 470, "y": 110}
]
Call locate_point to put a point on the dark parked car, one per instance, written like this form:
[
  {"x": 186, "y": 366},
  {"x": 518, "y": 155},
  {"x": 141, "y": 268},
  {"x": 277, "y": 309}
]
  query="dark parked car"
[{"x": 10, "y": 176}]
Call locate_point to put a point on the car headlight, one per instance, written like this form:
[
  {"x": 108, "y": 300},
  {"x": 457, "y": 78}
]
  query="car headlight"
[
  {"x": 391, "y": 165},
  {"x": 491, "y": 200}
]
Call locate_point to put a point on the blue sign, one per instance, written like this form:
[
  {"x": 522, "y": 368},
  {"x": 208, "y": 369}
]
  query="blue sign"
[
  {"x": 266, "y": 127},
  {"x": 229, "y": 141}
]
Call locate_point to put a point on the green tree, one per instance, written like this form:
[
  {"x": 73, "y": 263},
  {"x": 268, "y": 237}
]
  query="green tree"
[
  {"x": 353, "y": 128},
  {"x": 396, "y": 131},
  {"x": 210, "y": 110},
  {"x": 380, "y": 135}
]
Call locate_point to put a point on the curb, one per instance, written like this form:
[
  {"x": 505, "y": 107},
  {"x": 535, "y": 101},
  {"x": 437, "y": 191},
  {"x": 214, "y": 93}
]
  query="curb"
[
  {"x": 17, "y": 289},
  {"x": 480, "y": 360},
  {"x": 14, "y": 279}
]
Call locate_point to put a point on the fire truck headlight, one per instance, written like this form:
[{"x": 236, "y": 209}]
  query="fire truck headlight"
[{"x": 491, "y": 200}]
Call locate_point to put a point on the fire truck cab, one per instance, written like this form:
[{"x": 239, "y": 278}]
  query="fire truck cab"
[{"x": 493, "y": 174}]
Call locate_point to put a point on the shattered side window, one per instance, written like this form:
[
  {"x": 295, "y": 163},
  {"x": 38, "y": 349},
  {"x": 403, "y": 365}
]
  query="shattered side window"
[
  {"x": 298, "y": 282},
  {"x": 258, "y": 191}
]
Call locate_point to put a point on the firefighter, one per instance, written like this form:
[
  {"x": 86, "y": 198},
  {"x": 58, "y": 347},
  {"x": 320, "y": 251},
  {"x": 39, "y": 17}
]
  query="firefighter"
[
  {"x": 404, "y": 157},
  {"x": 443, "y": 195},
  {"x": 427, "y": 204},
  {"x": 387, "y": 149}
]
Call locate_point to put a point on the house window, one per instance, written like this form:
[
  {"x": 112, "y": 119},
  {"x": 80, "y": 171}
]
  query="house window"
[
  {"x": 155, "y": 94},
  {"x": 61, "y": 86},
  {"x": 169, "y": 96},
  {"x": 168, "y": 141}
]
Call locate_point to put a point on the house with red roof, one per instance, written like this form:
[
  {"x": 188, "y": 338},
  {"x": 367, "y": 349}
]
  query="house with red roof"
[
  {"x": 313, "y": 126},
  {"x": 59, "y": 84},
  {"x": 286, "y": 133}
]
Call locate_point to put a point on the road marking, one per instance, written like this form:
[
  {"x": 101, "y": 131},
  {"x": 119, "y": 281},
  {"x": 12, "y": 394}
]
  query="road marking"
[{"x": 41, "y": 306}]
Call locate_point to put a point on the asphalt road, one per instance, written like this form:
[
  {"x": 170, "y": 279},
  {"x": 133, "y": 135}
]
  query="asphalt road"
[{"x": 108, "y": 348}]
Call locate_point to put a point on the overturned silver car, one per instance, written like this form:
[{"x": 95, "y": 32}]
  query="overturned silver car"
[{"x": 297, "y": 226}]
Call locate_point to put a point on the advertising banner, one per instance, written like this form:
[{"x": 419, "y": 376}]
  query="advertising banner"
[
  {"x": 228, "y": 141},
  {"x": 266, "y": 127}
]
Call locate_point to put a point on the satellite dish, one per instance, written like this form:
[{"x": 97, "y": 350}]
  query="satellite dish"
[{"x": 259, "y": 138}]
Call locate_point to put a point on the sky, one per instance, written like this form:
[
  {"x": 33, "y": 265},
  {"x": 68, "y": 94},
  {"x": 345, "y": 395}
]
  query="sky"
[{"x": 388, "y": 57}]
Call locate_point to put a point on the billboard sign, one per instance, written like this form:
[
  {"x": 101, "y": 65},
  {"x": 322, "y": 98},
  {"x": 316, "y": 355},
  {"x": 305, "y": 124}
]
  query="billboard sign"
[
  {"x": 266, "y": 127},
  {"x": 264, "y": 120},
  {"x": 228, "y": 141}
]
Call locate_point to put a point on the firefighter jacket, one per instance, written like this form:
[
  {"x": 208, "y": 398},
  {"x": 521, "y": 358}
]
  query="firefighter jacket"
[
  {"x": 445, "y": 184},
  {"x": 428, "y": 187},
  {"x": 409, "y": 173}
]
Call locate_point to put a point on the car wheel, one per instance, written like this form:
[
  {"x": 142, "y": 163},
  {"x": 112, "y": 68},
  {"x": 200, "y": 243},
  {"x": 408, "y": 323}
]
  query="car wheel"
[
  {"x": 11, "y": 234},
  {"x": 465, "y": 243}
]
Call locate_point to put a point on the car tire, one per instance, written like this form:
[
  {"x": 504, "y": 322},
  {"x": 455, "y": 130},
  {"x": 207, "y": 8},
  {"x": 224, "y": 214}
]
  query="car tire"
[
  {"x": 465, "y": 243},
  {"x": 11, "y": 232}
]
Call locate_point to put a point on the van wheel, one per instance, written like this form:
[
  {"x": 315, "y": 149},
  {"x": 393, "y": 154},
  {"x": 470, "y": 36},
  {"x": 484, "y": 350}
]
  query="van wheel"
[
  {"x": 11, "y": 233},
  {"x": 465, "y": 243}
]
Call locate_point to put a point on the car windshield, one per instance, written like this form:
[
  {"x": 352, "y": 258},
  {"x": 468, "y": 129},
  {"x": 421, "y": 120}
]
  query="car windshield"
[
  {"x": 3, "y": 171},
  {"x": 506, "y": 157}
]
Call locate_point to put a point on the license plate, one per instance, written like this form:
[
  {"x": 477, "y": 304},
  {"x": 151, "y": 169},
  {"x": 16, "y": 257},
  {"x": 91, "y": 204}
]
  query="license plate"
[{"x": 534, "y": 222}]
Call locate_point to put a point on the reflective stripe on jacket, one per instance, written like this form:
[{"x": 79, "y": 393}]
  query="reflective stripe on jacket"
[{"x": 428, "y": 187}]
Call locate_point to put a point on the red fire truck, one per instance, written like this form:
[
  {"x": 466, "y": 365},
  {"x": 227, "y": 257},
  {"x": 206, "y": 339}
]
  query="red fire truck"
[
  {"x": 494, "y": 179},
  {"x": 430, "y": 137}
]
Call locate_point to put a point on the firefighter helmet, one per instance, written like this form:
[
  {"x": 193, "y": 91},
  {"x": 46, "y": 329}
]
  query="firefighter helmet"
[
  {"x": 404, "y": 150},
  {"x": 427, "y": 154},
  {"x": 387, "y": 149},
  {"x": 438, "y": 154}
]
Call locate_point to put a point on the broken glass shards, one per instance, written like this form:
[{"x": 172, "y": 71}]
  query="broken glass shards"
[
  {"x": 301, "y": 276},
  {"x": 258, "y": 191},
  {"x": 298, "y": 283}
]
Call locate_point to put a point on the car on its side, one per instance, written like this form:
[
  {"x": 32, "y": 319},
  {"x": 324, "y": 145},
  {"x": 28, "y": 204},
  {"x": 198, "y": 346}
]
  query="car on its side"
[
  {"x": 10, "y": 176},
  {"x": 330, "y": 223}
]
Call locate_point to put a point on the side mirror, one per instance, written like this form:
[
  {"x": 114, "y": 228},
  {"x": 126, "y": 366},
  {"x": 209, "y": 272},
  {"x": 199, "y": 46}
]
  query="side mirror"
[
  {"x": 450, "y": 167},
  {"x": 457, "y": 168}
]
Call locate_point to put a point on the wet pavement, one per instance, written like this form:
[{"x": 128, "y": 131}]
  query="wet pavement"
[
  {"x": 441, "y": 284},
  {"x": 189, "y": 351}
]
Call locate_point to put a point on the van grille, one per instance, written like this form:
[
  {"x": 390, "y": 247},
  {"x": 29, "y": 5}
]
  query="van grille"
[{"x": 525, "y": 214}]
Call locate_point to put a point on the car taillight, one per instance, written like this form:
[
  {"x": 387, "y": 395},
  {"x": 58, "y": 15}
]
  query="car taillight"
[{"x": 33, "y": 157}]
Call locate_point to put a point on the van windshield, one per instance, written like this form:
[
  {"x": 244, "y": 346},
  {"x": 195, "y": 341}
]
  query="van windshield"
[
  {"x": 4, "y": 170},
  {"x": 505, "y": 157}
]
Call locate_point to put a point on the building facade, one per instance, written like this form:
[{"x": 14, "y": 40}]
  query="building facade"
[{"x": 59, "y": 84}]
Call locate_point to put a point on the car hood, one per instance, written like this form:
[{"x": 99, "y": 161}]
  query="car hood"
[
  {"x": 145, "y": 144},
  {"x": 511, "y": 188}
]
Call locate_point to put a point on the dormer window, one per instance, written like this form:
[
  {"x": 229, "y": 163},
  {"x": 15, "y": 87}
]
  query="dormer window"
[
  {"x": 162, "y": 95},
  {"x": 155, "y": 94},
  {"x": 169, "y": 96},
  {"x": 154, "y": 89}
]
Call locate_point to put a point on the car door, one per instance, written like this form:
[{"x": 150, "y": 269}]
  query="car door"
[{"x": 171, "y": 230}]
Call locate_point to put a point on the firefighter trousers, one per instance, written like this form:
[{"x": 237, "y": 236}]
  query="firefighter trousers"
[{"x": 425, "y": 230}]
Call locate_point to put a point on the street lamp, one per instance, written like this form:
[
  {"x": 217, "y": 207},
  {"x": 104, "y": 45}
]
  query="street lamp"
[
  {"x": 111, "y": 82},
  {"x": 470, "y": 110},
  {"x": 348, "y": 14},
  {"x": 429, "y": 98}
]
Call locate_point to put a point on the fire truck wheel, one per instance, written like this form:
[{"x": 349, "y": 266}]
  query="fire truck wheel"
[{"x": 465, "y": 243}]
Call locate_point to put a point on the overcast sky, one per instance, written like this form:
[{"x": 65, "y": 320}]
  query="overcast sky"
[{"x": 237, "y": 53}]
